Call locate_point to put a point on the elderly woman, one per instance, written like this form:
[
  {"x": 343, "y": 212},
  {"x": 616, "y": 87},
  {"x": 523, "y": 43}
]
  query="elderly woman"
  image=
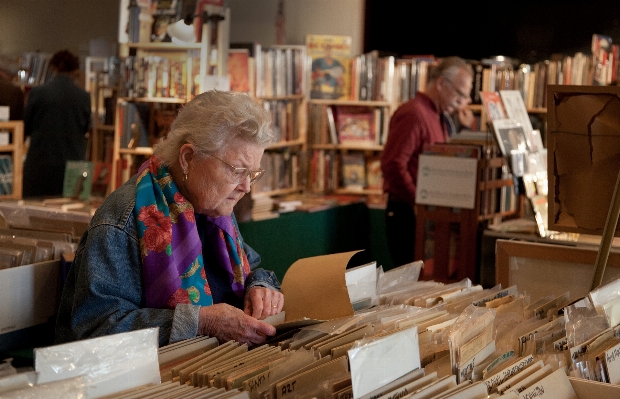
[{"x": 164, "y": 249}]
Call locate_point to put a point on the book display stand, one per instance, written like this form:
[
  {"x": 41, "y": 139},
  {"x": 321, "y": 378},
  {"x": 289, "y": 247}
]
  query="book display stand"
[{"x": 449, "y": 227}]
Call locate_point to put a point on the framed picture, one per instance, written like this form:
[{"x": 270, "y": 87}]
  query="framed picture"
[
  {"x": 543, "y": 269},
  {"x": 510, "y": 136}
]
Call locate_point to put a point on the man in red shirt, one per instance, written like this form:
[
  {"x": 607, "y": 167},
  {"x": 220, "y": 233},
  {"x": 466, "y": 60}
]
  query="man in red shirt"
[{"x": 416, "y": 123}]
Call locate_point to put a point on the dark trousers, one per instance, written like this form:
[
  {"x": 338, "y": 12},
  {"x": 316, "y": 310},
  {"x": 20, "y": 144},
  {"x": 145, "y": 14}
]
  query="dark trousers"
[{"x": 400, "y": 229}]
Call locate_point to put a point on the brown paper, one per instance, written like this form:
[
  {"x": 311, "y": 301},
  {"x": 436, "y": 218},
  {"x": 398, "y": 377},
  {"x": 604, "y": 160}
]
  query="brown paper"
[{"x": 315, "y": 288}]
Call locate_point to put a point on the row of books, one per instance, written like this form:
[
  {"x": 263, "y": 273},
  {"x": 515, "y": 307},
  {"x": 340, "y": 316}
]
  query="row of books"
[
  {"x": 34, "y": 68},
  {"x": 6, "y": 174},
  {"x": 161, "y": 76},
  {"x": 354, "y": 125},
  {"x": 532, "y": 79},
  {"x": 134, "y": 127},
  {"x": 280, "y": 71},
  {"x": 281, "y": 171},
  {"x": 375, "y": 77},
  {"x": 285, "y": 117},
  {"x": 353, "y": 171},
  {"x": 277, "y": 71}
]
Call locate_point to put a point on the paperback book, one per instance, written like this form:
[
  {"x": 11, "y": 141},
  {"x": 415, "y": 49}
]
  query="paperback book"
[
  {"x": 356, "y": 125},
  {"x": 330, "y": 58},
  {"x": 353, "y": 171}
]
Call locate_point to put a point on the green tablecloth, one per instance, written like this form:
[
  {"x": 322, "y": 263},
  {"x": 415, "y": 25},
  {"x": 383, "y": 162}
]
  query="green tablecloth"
[{"x": 283, "y": 240}]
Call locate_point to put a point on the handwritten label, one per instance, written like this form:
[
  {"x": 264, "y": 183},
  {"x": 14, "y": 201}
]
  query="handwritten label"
[
  {"x": 348, "y": 394},
  {"x": 288, "y": 387},
  {"x": 536, "y": 392},
  {"x": 399, "y": 394},
  {"x": 465, "y": 372},
  {"x": 554, "y": 385},
  {"x": 255, "y": 383},
  {"x": 508, "y": 372},
  {"x": 476, "y": 344},
  {"x": 612, "y": 359},
  {"x": 500, "y": 359},
  {"x": 512, "y": 290}
]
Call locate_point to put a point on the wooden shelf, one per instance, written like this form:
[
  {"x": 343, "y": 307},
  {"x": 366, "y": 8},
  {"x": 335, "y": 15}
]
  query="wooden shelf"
[
  {"x": 356, "y": 103},
  {"x": 279, "y": 192},
  {"x": 16, "y": 150},
  {"x": 354, "y": 191},
  {"x": 285, "y": 144},
  {"x": 296, "y": 97},
  {"x": 330, "y": 163},
  {"x": 105, "y": 128},
  {"x": 169, "y": 100},
  {"x": 348, "y": 147},
  {"x": 136, "y": 151},
  {"x": 163, "y": 46}
]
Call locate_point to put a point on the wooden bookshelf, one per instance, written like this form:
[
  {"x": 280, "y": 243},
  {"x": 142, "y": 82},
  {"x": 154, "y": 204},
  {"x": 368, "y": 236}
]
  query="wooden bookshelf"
[
  {"x": 280, "y": 79},
  {"x": 328, "y": 150}
]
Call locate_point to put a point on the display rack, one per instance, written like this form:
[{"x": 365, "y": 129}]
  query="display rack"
[{"x": 456, "y": 230}]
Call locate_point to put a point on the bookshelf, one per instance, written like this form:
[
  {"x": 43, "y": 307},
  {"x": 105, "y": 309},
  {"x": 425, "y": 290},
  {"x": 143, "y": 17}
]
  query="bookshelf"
[
  {"x": 280, "y": 76},
  {"x": 11, "y": 159},
  {"x": 345, "y": 139},
  {"x": 103, "y": 100},
  {"x": 157, "y": 79}
]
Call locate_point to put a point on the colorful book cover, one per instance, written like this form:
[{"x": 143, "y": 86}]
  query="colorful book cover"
[
  {"x": 164, "y": 13},
  {"x": 353, "y": 171},
  {"x": 374, "y": 177},
  {"x": 239, "y": 70},
  {"x": 355, "y": 125},
  {"x": 78, "y": 180},
  {"x": 330, "y": 57},
  {"x": 493, "y": 105}
]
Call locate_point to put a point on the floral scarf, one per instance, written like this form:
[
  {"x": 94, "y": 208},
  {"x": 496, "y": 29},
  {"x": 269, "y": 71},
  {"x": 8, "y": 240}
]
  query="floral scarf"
[{"x": 171, "y": 248}]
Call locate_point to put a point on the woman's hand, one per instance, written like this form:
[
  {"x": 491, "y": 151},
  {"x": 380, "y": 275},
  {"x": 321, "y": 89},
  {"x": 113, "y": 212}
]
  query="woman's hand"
[
  {"x": 261, "y": 302},
  {"x": 227, "y": 323}
]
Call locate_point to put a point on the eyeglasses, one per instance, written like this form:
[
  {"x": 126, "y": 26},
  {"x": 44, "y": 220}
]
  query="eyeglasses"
[
  {"x": 240, "y": 174},
  {"x": 462, "y": 96}
]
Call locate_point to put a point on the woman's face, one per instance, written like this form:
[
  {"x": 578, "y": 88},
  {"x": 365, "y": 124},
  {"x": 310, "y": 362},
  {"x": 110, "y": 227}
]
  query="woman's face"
[{"x": 211, "y": 186}]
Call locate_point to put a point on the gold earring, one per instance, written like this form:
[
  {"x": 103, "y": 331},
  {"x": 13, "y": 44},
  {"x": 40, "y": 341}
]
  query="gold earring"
[{"x": 184, "y": 175}]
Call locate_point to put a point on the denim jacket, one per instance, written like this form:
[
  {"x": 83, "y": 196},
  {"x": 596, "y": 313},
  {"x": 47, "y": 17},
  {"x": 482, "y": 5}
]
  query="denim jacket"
[{"x": 103, "y": 292}]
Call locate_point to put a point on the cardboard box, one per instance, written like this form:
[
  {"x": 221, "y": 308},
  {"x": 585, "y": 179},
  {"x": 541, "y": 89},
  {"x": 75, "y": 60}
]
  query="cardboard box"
[
  {"x": 29, "y": 295},
  {"x": 542, "y": 269},
  {"x": 583, "y": 143}
]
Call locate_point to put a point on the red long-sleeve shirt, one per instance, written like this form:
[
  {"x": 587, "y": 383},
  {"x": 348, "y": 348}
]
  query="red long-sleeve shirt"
[{"x": 414, "y": 124}]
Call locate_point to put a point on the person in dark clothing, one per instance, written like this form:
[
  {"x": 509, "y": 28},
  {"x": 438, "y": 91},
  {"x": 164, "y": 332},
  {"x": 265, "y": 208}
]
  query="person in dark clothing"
[{"x": 56, "y": 119}]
